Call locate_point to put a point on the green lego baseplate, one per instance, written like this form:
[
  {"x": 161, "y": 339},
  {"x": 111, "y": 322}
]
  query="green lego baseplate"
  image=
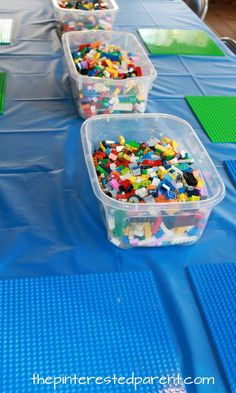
[
  {"x": 179, "y": 42},
  {"x": 217, "y": 115}
]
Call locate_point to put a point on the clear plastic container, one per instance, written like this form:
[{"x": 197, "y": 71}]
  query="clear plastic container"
[
  {"x": 95, "y": 96},
  {"x": 73, "y": 20},
  {"x": 152, "y": 224}
]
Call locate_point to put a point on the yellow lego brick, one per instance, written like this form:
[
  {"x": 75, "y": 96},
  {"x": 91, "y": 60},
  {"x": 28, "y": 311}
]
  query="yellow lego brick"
[
  {"x": 174, "y": 144},
  {"x": 180, "y": 230},
  {"x": 102, "y": 147},
  {"x": 146, "y": 150},
  {"x": 147, "y": 230},
  {"x": 144, "y": 177},
  {"x": 182, "y": 198},
  {"x": 126, "y": 231},
  {"x": 116, "y": 92},
  {"x": 162, "y": 172},
  {"x": 130, "y": 148},
  {"x": 166, "y": 140},
  {"x": 97, "y": 56},
  {"x": 140, "y": 97},
  {"x": 200, "y": 182},
  {"x": 169, "y": 152},
  {"x": 132, "y": 179},
  {"x": 194, "y": 198},
  {"x": 126, "y": 157},
  {"x": 110, "y": 70},
  {"x": 108, "y": 63},
  {"x": 115, "y": 73},
  {"x": 121, "y": 139},
  {"x": 160, "y": 147}
]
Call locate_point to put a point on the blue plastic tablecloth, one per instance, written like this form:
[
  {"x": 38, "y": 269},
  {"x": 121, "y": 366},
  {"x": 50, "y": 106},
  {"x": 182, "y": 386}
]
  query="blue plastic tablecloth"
[{"x": 50, "y": 223}]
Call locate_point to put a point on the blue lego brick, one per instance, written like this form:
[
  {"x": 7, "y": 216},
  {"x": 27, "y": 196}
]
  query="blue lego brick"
[
  {"x": 215, "y": 289},
  {"x": 91, "y": 325},
  {"x": 230, "y": 166}
]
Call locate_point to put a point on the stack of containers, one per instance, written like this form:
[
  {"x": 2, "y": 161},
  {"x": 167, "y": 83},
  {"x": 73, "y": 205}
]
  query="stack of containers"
[
  {"x": 72, "y": 19},
  {"x": 134, "y": 224}
]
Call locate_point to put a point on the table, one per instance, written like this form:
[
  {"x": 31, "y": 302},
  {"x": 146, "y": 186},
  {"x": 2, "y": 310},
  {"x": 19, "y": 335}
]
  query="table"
[{"x": 50, "y": 223}]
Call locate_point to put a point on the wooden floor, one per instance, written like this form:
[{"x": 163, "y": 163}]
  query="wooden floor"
[{"x": 221, "y": 18}]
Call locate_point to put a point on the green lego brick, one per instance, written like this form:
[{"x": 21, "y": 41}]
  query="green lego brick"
[
  {"x": 5, "y": 31},
  {"x": 217, "y": 115},
  {"x": 3, "y": 78},
  {"x": 179, "y": 42},
  {"x": 119, "y": 217}
]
